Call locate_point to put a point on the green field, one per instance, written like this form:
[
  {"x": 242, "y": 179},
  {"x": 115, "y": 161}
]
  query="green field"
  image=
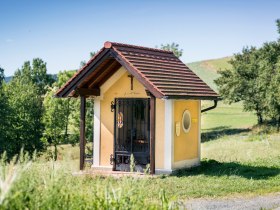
[
  {"x": 237, "y": 165},
  {"x": 225, "y": 119}
]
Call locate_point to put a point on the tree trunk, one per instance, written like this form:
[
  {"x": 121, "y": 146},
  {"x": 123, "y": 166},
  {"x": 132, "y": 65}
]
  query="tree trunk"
[
  {"x": 260, "y": 118},
  {"x": 55, "y": 152},
  {"x": 278, "y": 124}
]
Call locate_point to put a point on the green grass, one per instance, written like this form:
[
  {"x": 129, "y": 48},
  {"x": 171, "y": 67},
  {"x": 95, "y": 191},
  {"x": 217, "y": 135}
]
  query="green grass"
[
  {"x": 240, "y": 164},
  {"x": 207, "y": 70},
  {"x": 227, "y": 116}
]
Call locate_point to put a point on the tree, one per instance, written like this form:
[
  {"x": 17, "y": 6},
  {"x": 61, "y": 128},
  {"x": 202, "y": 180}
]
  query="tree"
[
  {"x": 269, "y": 72},
  {"x": 37, "y": 73},
  {"x": 243, "y": 82},
  {"x": 55, "y": 120},
  {"x": 173, "y": 47},
  {"x": 60, "y": 115},
  {"x": 4, "y": 115},
  {"x": 274, "y": 95},
  {"x": 2, "y": 76},
  {"x": 26, "y": 114},
  {"x": 254, "y": 79}
]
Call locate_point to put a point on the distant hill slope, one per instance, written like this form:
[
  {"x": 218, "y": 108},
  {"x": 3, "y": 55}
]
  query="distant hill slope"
[
  {"x": 8, "y": 79},
  {"x": 207, "y": 69}
]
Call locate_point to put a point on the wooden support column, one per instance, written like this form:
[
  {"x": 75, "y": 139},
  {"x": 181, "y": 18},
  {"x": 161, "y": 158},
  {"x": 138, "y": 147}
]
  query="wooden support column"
[
  {"x": 152, "y": 132},
  {"x": 82, "y": 131}
]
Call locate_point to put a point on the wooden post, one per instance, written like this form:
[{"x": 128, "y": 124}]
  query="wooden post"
[
  {"x": 152, "y": 132},
  {"x": 82, "y": 131}
]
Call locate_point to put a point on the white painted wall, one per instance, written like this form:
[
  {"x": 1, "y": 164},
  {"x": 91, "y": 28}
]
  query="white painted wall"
[
  {"x": 96, "y": 136},
  {"x": 169, "y": 136}
]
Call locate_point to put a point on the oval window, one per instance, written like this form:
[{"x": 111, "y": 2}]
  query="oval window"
[{"x": 186, "y": 121}]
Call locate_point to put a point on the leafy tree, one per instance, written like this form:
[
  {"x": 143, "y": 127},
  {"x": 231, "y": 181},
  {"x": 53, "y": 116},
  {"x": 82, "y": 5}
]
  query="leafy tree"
[
  {"x": 37, "y": 73},
  {"x": 60, "y": 115},
  {"x": 269, "y": 72},
  {"x": 89, "y": 119},
  {"x": 2, "y": 76},
  {"x": 173, "y": 47},
  {"x": 4, "y": 115},
  {"x": 26, "y": 114},
  {"x": 243, "y": 82},
  {"x": 55, "y": 120},
  {"x": 23, "y": 96},
  {"x": 254, "y": 79}
]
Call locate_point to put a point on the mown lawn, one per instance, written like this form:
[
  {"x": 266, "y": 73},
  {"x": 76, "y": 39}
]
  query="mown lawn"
[
  {"x": 225, "y": 117},
  {"x": 239, "y": 164}
]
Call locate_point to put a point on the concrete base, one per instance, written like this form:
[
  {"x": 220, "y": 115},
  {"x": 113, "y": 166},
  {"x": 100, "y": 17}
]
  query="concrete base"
[
  {"x": 176, "y": 166},
  {"x": 102, "y": 168},
  {"x": 163, "y": 171}
]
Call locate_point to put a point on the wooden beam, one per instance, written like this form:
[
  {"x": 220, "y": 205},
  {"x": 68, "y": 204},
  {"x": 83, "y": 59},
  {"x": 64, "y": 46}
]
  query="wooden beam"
[
  {"x": 152, "y": 132},
  {"x": 88, "y": 92},
  {"x": 85, "y": 73},
  {"x": 94, "y": 80},
  {"x": 111, "y": 72},
  {"x": 82, "y": 131}
]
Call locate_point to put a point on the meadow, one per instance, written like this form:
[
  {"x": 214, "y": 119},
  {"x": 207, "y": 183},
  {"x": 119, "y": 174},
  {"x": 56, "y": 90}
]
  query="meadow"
[
  {"x": 244, "y": 164},
  {"x": 238, "y": 159}
]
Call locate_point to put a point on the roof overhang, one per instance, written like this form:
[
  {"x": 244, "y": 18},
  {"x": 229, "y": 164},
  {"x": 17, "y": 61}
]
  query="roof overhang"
[
  {"x": 157, "y": 70},
  {"x": 209, "y": 98}
]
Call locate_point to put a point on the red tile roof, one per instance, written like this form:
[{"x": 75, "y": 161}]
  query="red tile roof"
[{"x": 160, "y": 71}]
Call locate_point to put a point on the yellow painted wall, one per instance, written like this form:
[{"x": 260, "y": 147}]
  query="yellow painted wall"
[
  {"x": 186, "y": 144},
  {"x": 121, "y": 89},
  {"x": 159, "y": 144}
]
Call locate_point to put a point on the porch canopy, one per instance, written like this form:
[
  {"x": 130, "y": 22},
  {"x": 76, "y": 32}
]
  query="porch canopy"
[{"x": 161, "y": 73}]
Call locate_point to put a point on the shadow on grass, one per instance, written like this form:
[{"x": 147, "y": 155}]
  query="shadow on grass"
[
  {"x": 215, "y": 133},
  {"x": 215, "y": 168}
]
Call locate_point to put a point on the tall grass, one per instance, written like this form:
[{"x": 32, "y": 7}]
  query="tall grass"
[
  {"x": 10, "y": 172},
  {"x": 51, "y": 185},
  {"x": 247, "y": 164}
]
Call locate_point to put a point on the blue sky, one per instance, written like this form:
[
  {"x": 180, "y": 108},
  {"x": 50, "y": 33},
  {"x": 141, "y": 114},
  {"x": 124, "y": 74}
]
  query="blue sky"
[{"x": 63, "y": 33}]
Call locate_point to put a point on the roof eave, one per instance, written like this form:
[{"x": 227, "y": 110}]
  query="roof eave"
[
  {"x": 210, "y": 98},
  {"x": 65, "y": 90}
]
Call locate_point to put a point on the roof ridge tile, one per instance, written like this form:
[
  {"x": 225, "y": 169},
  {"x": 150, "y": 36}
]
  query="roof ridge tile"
[{"x": 109, "y": 44}]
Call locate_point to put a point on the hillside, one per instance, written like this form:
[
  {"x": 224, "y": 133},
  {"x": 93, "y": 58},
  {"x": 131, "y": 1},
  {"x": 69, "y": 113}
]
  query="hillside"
[
  {"x": 225, "y": 118},
  {"x": 207, "y": 69}
]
